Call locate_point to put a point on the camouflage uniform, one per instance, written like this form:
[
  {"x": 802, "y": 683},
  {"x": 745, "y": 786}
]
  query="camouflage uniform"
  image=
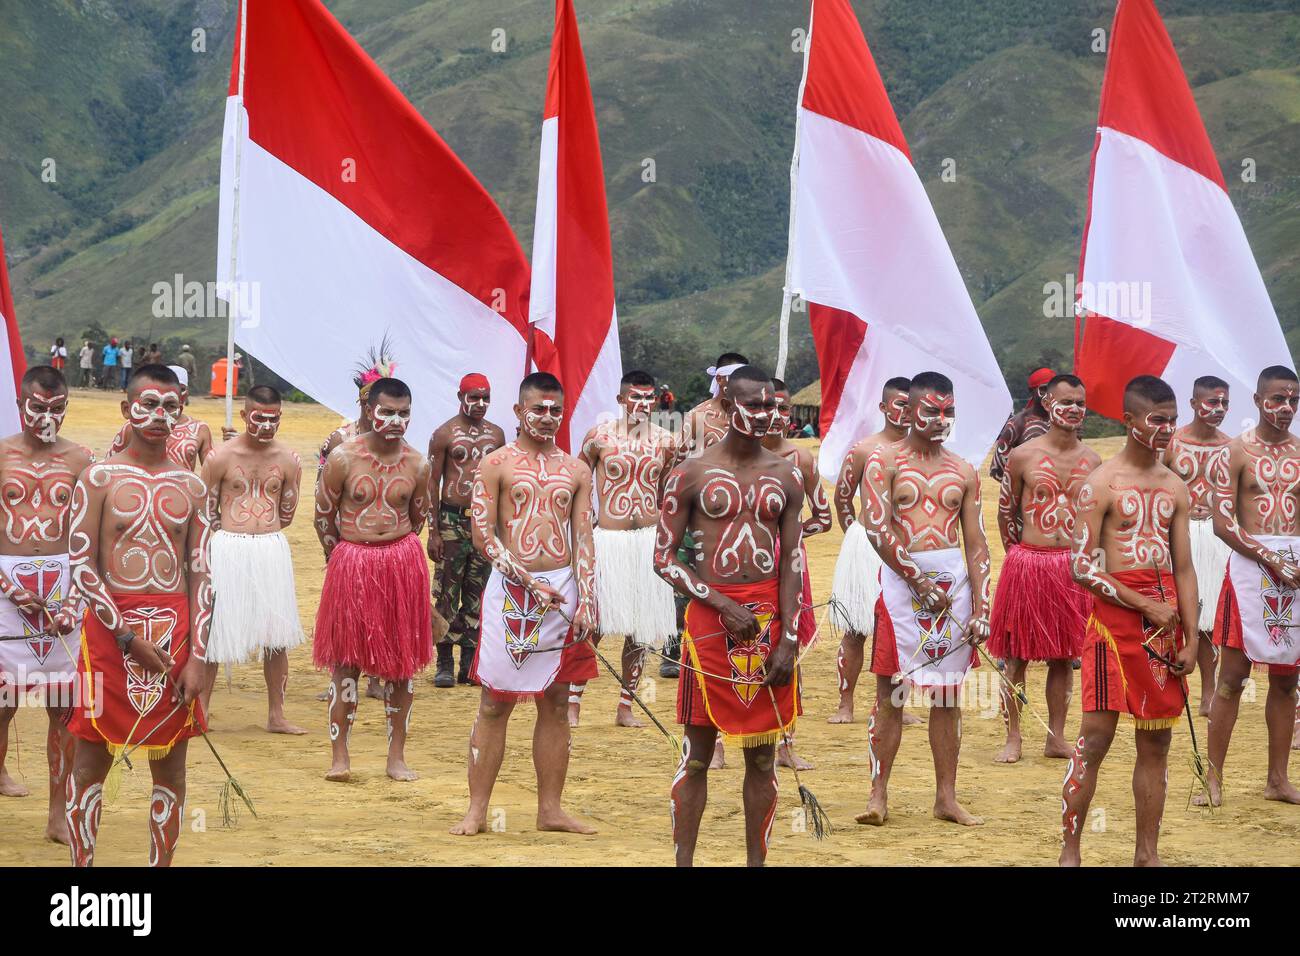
[{"x": 458, "y": 583}]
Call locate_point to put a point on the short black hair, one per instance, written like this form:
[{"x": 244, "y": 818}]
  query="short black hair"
[
  {"x": 1274, "y": 373},
  {"x": 898, "y": 383},
  {"x": 160, "y": 374},
  {"x": 542, "y": 382},
  {"x": 45, "y": 376},
  {"x": 749, "y": 373},
  {"x": 1065, "y": 378},
  {"x": 264, "y": 395},
  {"x": 1210, "y": 382},
  {"x": 931, "y": 382},
  {"x": 730, "y": 358},
  {"x": 637, "y": 377},
  {"x": 779, "y": 384},
  {"x": 1154, "y": 390},
  {"x": 392, "y": 387}
]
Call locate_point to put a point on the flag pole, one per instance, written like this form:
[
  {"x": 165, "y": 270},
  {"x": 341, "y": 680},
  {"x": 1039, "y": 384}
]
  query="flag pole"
[
  {"x": 783, "y": 343},
  {"x": 232, "y": 300}
]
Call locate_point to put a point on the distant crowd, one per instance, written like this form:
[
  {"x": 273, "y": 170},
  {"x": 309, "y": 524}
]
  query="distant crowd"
[{"x": 109, "y": 367}]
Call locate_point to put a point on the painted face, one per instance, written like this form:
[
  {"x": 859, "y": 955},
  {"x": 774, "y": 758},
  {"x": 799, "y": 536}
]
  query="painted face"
[
  {"x": 390, "y": 417},
  {"x": 933, "y": 415},
  {"x": 895, "y": 409},
  {"x": 781, "y": 418},
  {"x": 754, "y": 412},
  {"x": 1277, "y": 404},
  {"x": 474, "y": 403},
  {"x": 639, "y": 401},
  {"x": 43, "y": 412},
  {"x": 540, "y": 419},
  {"x": 1155, "y": 428},
  {"x": 1211, "y": 406},
  {"x": 262, "y": 422},
  {"x": 155, "y": 411},
  {"x": 1066, "y": 407}
]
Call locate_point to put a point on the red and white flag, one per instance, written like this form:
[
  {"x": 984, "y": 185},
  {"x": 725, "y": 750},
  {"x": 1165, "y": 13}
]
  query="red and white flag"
[
  {"x": 350, "y": 219},
  {"x": 867, "y": 254},
  {"x": 572, "y": 298},
  {"x": 1167, "y": 282},
  {"x": 13, "y": 362}
]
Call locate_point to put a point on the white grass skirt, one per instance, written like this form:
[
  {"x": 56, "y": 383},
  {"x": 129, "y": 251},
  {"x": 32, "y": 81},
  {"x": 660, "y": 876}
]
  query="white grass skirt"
[
  {"x": 255, "y": 607},
  {"x": 631, "y": 598},
  {"x": 856, "y": 584},
  {"x": 1210, "y": 559}
]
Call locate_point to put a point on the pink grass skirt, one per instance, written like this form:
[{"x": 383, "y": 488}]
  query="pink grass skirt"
[
  {"x": 1039, "y": 613},
  {"x": 374, "y": 609}
]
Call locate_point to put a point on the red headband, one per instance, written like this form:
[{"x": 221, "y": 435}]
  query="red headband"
[
  {"x": 1041, "y": 377},
  {"x": 474, "y": 380}
]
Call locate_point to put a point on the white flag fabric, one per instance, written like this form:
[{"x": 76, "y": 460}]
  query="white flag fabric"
[{"x": 13, "y": 361}]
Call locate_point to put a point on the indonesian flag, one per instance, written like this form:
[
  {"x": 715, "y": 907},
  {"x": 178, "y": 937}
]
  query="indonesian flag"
[
  {"x": 1167, "y": 282},
  {"x": 11, "y": 354},
  {"x": 867, "y": 254},
  {"x": 572, "y": 298},
  {"x": 351, "y": 220}
]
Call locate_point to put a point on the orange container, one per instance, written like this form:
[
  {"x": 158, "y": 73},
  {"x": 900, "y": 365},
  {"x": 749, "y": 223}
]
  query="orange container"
[{"x": 218, "y": 388}]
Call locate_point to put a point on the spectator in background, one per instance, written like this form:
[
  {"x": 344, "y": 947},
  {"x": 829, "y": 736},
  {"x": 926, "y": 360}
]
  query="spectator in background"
[
  {"x": 126, "y": 359},
  {"x": 808, "y": 431},
  {"x": 666, "y": 399},
  {"x": 186, "y": 361},
  {"x": 154, "y": 355},
  {"x": 87, "y": 357},
  {"x": 58, "y": 355},
  {"x": 108, "y": 376}
]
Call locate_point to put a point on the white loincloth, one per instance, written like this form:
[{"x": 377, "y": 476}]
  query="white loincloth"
[
  {"x": 41, "y": 658},
  {"x": 519, "y": 649},
  {"x": 255, "y": 608},
  {"x": 1210, "y": 559},
  {"x": 1269, "y": 610},
  {"x": 631, "y": 598},
  {"x": 918, "y": 636},
  {"x": 856, "y": 584}
]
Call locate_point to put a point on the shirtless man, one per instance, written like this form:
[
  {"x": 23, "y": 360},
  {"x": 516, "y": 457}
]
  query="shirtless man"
[
  {"x": 629, "y": 458},
  {"x": 743, "y": 505},
  {"x": 532, "y": 520},
  {"x": 1131, "y": 550},
  {"x": 1257, "y": 514},
  {"x": 1193, "y": 454},
  {"x": 455, "y": 450},
  {"x": 922, "y": 514},
  {"x": 139, "y": 546},
  {"x": 1040, "y": 613},
  {"x": 706, "y": 423},
  {"x": 190, "y": 442},
  {"x": 1029, "y": 422},
  {"x": 37, "y": 603},
  {"x": 856, "y": 584},
  {"x": 374, "y": 615},
  {"x": 252, "y": 483}
]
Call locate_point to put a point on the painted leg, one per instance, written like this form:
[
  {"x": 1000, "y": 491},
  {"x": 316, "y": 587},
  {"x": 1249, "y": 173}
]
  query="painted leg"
[
  {"x": 945, "y": 745},
  {"x": 342, "y": 713},
  {"x": 690, "y": 791},
  {"x": 1150, "y": 786},
  {"x": 551, "y": 743},
  {"x": 1015, "y": 671},
  {"x": 1096, "y": 732},
  {"x": 1234, "y": 671},
  {"x": 167, "y": 805},
  {"x": 275, "y": 669},
  {"x": 575, "y": 703},
  {"x": 1060, "y": 686},
  {"x": 9, "y": 787},
  {"x": 59, "y": 749},
  {"x": 848, "y": 665},
  {"x": 487, "y": 745},
  {"x": 84, "y": 799},
  {"x": 760, "y": 797},
  {"x": 399, "y": 697},
  {"x": 1279, "y": 714},
  {"x": 633, "y": 661},
  {"x": 884, "y": 733},
  {"x": 1207, "y": 662}
]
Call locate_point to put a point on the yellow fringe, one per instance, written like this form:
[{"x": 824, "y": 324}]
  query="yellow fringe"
[
  {"x": 145, "y": 752},
  {"x": 1155, "y": 723},
  {"x": 759, "y": 740}
]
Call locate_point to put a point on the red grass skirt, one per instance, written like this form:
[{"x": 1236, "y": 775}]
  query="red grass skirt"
[
  {"x": 1039, "y": 613},
  {"x": 374, "y": 610}
]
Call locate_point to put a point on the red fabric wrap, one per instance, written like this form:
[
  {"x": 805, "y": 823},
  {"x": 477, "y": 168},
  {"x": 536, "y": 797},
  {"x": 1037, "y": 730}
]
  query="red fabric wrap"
[
  {"x": 737, "y": 704},
  {"x": 807, "y": 629},
  {"x": 121, "y": 704},
  {"x": 474, "y": 380},
  {"x": 1039, "y": 613},
  {"x": 884, "y": 646},
  {"x": 1117, "y": 672},
  {"x": 374, "y": 609},
  {"x": 1227, "y": 627}
]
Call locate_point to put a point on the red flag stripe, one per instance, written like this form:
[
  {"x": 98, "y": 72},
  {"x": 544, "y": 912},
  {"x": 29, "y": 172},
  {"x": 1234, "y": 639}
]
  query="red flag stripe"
[{"x": 17, "y": 357}]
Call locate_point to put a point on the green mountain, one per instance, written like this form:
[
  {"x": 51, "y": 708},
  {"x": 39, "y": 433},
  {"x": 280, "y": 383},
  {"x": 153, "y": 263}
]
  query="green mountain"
[{"x": 695, "y": 99}]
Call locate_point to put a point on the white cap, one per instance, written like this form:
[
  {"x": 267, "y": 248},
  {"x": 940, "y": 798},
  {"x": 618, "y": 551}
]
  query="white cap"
[{"x": 183, "y": 375}]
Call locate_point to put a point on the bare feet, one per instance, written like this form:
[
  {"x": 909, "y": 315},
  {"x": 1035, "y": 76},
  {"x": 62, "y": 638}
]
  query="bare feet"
[
  {"x": 471, "y": 825},
  {"x": 1010, "y": 752},
  {"x": 9, "y": 787},
  {"x": 1056, "y": 748},
  {"x": 1216, "y": 794},
  {"x": 339, "y": 773},
  {"x": 56, "y": 829},
  {"x": 719, "y": 761},
  {"x": 783, "y": 759},
  {"x": 1152, "y": 860},
  {"x": 911, "y": 720},
  {"x": 876, "y": 813},
  {"x": 398, "y": 770},
  {"x": 1283, "y": 791},
  {"x": 375, "y": 689},
  {"x": 279, "y": 725},
  {"x": 575, "y": 711},
  {"x": 844, "y": 715},
  {"x": 956, "y": 813},
  {"x": 1069, "y": 856},
  {"x": 623, "y": 718},
  {"x": 561, "y": 822}
]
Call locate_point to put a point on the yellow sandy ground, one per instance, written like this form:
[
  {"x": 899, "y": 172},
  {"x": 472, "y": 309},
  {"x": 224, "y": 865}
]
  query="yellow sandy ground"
[{"x": 619, "y": 778}]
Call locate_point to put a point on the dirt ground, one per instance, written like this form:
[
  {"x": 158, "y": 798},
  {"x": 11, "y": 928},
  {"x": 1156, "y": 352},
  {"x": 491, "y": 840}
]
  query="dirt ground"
[{"x": 619, "y": 778}]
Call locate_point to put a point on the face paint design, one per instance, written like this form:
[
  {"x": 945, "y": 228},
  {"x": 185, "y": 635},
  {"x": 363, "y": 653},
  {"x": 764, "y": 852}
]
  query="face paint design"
[
  {"x": 1066, "y": 412},
  {"x": 474, "y": 403},
  {"x": 43, "y": 414},
  {"x": 781, "y": 416},
  {"x": 542, "y": 419},
  {"x": 1155, "y": 431},
  {"x": 896, "y": 410},
  {"x": 155, "y": 411},
  {"x": 934, "y": 416},
  {"x": 262, "y": 424},
  {"x": 1278, "y": 407},
  {"x": 390, "y": 423},
  {"x": 639, "y": 401},
  {"x": 1212, "y": 407},
  {"x": 757, "y": 417}
]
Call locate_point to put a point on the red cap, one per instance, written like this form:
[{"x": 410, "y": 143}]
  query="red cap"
[
  {"x": 1041, "y": 377},
  {"x": 474, "y": 380}
]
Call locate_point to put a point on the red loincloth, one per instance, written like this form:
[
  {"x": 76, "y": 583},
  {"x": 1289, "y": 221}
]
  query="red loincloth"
[
  {"x": 1117, "y": 673},
  {"x": 120, "y": 703},
  {"x": 1039, "y": 612},
  {"x": 374, "y": 610},
  {"x": 1227, "y": 627},
  {"x": 739, "y": 705}
]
